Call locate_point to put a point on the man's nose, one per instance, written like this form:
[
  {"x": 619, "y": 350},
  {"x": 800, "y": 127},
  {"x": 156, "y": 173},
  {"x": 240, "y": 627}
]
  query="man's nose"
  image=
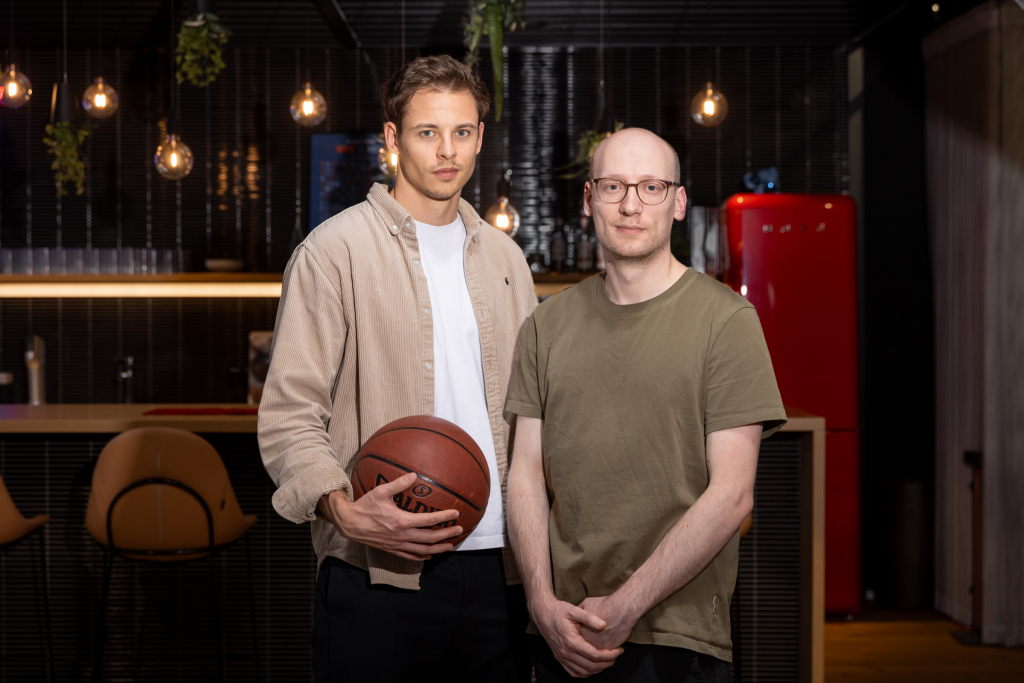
[
  {"x": 446, "y": 149},
  {"x": 631, "y": 204}
]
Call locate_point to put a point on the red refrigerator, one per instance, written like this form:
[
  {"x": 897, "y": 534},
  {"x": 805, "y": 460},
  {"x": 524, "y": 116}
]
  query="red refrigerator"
[{"x": 794, "y": 257}]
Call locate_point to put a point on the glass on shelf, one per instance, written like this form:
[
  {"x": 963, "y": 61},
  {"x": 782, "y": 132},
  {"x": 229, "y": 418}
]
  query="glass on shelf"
[
  {"x": 91, "y": 261},
  {"x": 22, "y": 263},
  {"x": 41, "y": 261},
  {"x": 72, "y": 261},
  {"x": 108, "y": 261},
  {"x": 6, "y": 261}
]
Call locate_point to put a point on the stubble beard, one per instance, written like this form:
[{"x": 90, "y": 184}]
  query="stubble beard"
[
  {"x": 443, "y": 191},
  {"x": 635, "y": 253}
]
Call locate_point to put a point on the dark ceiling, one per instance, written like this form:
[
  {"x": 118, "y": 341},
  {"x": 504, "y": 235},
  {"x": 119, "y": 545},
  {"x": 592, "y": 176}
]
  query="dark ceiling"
[{"x": 438, "y": 23}]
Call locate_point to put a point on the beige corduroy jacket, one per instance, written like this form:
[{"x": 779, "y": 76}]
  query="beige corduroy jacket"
[{"x": 353, "y": 350}]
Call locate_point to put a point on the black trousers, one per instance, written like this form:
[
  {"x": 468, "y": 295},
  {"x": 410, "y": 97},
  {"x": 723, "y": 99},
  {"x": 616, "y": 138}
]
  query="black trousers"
[
  {"x": 638, "y": 664},
  {"x": 463, "y": 624}
]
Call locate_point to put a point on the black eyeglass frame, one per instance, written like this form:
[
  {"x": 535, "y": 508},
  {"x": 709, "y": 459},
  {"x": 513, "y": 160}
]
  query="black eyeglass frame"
[{"x": 636, "y": 185}]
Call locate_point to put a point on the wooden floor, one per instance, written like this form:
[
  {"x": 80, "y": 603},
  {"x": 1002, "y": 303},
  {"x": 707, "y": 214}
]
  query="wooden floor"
[{"x": 892, "y": 648}]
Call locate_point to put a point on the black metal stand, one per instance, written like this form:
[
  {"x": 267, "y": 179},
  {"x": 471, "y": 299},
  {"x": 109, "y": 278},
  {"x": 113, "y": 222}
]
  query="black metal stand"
[{"x": 209, "y": 551}]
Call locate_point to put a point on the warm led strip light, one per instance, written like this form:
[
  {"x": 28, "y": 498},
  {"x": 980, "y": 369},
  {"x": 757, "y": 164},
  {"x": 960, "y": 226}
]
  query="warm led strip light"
[{"x": 139, "y": 290}]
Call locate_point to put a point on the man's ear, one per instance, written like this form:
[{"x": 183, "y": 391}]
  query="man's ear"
[
  {"x": 588, "y": 196},
  {"x": 680, "y": 213},
  {"x": 391, "y": 137},
  {"x": 480, "y": 138}
]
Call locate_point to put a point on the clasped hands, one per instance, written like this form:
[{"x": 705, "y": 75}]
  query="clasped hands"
[{"x": 586, "y": 639}]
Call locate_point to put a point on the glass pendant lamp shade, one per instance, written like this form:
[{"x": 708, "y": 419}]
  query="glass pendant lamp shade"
[
  {"x": 308, "y": 106},
  {"x": 173, "y": 158},
  {"x": 17, "y": 88},
  {"x": 709, "y": 106},
  {"x": 100, "y": 100},
  {"x": 503, "y": 216}
]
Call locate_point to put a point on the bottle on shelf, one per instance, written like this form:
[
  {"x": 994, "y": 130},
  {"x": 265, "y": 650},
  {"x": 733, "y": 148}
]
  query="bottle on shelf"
[
  {"x": 584, "y": 246},
  {"x": 558, "y": 252}
]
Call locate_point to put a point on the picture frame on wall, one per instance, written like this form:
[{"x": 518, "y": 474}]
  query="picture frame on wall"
[{"x": 343, "y": 167}]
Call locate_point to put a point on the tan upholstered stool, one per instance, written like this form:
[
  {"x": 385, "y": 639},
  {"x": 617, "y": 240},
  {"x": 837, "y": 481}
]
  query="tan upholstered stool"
[
  {"x": 13, "y": 528},
  {"x": 163, "y": 495}
]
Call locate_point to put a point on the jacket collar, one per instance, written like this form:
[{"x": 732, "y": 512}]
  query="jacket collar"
[{"x": 398, "y": 219}]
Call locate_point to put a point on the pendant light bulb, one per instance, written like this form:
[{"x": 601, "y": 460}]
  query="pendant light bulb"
[
  {"x": 173, "y": 158},
  {"x": 308, "y": 107},
  {"x": 709, "y": 106},
  {"x": 387, "y": 162},
  {"x": 17, "y": 89},
  {"x": 100, "y": 100},
  {"x": 502, "y": 215}
]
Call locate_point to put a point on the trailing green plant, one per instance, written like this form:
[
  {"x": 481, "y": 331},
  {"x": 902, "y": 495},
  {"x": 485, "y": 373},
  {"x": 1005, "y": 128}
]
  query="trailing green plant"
[
  {"x": 492, "y": 18},
  {"x": 64, "y": 140},
  {"x": 200, "y": 48},
  {"x": 586, "y": 143}
]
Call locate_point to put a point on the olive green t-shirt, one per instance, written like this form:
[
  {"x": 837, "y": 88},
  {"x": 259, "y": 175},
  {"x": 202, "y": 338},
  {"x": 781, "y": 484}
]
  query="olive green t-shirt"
[{"x": 627, "y": 394}]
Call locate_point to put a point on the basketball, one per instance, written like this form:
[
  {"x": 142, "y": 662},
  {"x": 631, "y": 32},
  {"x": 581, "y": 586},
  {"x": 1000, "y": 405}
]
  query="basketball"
[{"x": 452, "y": 470}]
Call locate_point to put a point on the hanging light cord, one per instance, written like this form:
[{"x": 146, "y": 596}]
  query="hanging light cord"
[
  {"x": 99, "y": 33},
  {"x": 173, "y": 112},
  {"x": 65, "y": 8},
  {"x": 600, "y": 49}
]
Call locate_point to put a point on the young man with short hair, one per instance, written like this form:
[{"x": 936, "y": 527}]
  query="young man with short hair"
[
  {"x": 642, "y": 396},
  {"x": 406, "y": 304}
]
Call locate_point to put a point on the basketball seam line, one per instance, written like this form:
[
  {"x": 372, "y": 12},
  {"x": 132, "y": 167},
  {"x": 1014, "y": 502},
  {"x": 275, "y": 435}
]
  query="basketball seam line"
[
  {"x": 487, "y": 474},
  {"x": 428, "y": 479}
]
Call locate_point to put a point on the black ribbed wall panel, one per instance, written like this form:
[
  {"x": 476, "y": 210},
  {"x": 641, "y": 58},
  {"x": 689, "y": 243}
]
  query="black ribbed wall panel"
[
  {"x": 164, "y": 612},
  {"x": 766, "y": 606},
  {"x": 786, "y": 110}
]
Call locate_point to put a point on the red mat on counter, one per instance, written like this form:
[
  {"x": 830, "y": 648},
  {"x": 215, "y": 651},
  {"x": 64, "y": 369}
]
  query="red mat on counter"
[{"x": 202, "y": 411}]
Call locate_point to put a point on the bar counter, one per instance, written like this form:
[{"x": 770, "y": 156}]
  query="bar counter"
[
  {"x": 114, "y": 418},
  {"x": 47, "y": 454}
]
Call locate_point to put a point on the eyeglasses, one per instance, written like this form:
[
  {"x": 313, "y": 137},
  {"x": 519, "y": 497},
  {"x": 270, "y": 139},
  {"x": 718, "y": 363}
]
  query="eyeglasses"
[{"x": 650, "y": 191}]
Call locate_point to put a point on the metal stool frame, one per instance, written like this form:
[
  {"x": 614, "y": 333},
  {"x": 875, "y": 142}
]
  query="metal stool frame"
[
  {"x": 48, "y": 636},
  {"x": 111, "y": 550}
]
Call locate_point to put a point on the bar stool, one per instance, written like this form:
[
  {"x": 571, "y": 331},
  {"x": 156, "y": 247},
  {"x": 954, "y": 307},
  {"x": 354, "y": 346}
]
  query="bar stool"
[
  {"x": 14, "y": 528},
  {"x": 163, "y": 495}
]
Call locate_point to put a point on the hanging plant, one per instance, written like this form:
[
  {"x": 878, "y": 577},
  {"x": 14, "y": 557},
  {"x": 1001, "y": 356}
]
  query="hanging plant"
[
  {"x": 587, "y": 143},
  {"x": 64, "y": 139},
  {"x": 199, "y": 51},
  {"x": 492, "y": 18}
]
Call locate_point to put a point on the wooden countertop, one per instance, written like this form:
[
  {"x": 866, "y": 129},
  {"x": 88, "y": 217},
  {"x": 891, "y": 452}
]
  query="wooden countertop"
[{"x": 113, "y": 418}]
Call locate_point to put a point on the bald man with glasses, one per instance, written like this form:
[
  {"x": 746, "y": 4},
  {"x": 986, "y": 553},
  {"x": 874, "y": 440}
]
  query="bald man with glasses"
[{"x": 642, "y": 395}]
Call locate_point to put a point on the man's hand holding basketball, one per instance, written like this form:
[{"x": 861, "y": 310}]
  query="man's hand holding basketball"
[
  {"x": 375, "y": 520},
  {"x": 560, "y": 623}
]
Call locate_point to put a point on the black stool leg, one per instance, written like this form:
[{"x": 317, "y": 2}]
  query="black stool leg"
[
  {"x": 216, "y": 610},
  {"x": 46, "y": 607},
  {"x": 252, "y": 609},
  {"x": 101, "y": 635}
]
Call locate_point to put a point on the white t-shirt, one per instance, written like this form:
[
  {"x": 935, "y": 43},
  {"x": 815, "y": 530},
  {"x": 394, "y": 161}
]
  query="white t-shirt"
[{"x": 459, "y": 394}]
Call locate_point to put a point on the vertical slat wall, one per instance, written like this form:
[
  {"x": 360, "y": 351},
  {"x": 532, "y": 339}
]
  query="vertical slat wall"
[
  {"x": 766, "y": 606},
  {"x": 163, "y": 612},
  {"x": 786, "y": 110},
  {"x": 166, "y": 612}
]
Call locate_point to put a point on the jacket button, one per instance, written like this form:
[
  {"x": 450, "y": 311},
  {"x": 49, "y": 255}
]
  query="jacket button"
[
  {"x": 415, "y": 262},
  {"x": 427, "y": 366},
  {"x": 426, "y": 311}
]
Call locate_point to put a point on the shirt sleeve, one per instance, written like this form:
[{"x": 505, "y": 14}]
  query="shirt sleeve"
[
  {"x": 309, "y": 338},
  {"x": 741, "y": 387},
  {"x": 524, "y": 391}
]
